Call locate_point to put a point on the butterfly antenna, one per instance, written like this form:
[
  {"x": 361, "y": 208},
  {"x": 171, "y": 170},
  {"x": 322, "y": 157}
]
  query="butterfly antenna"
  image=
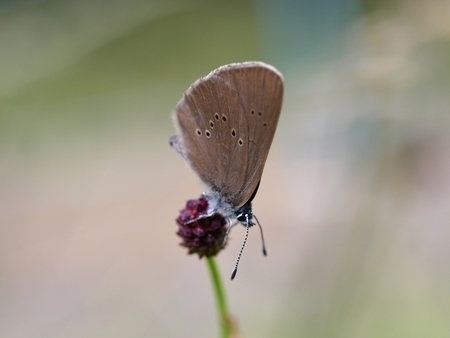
[
  {"x": 233, "y": 274},
  {"x": 262, "y": 237}
]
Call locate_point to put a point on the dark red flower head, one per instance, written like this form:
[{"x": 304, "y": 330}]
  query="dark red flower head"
[{"x": 201, "y": 234}]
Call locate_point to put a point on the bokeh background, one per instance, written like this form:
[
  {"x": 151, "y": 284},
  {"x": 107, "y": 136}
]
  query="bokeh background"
[{"x": 354, "y": 200}]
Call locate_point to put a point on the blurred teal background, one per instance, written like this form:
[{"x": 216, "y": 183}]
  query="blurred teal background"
[{"x": 354, "y": 201}]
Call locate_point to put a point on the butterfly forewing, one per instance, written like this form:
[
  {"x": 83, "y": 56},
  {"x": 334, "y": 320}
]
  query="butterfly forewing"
[{"x": 227, "y": 121}]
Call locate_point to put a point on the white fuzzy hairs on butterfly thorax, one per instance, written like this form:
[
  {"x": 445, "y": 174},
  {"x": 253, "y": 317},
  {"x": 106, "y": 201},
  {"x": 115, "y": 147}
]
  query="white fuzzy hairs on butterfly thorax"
[{"x": 216, "y": 203}]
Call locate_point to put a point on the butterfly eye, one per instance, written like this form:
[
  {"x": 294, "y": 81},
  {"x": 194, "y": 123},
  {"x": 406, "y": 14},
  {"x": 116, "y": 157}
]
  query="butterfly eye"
[
  {"x": 208, "y": 134},
  {"x": 216, "y": 116},
  {"x": 224, "y": 118},
  {"x": 233, "y": 132},
  {"x": 240, "y": 142},
  {"x": 211, "y": 124},
  {"x": 199, "y": 132}
]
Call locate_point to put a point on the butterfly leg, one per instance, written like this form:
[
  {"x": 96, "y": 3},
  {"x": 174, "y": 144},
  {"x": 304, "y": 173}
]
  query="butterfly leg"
[{"x": 230, "y": 225}]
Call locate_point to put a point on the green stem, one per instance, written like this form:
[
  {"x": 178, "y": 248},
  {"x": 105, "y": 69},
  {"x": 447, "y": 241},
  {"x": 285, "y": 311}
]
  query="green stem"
[{"x": 222, "y": 307}]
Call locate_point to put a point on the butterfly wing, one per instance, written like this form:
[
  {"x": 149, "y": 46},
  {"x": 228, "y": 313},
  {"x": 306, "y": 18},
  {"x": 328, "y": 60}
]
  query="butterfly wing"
[{"x": 226, "y": 124}]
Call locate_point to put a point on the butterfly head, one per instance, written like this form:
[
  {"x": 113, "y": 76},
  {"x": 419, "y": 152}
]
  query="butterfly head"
[{"x": 245, "y": 215}]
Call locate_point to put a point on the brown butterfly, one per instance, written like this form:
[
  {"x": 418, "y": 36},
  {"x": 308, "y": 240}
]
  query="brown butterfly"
[{"x": 226, "y": 123}]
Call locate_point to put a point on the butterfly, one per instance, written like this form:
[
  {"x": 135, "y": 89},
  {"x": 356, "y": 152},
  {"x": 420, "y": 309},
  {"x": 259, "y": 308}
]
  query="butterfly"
[{"x": 226, "y": 122}]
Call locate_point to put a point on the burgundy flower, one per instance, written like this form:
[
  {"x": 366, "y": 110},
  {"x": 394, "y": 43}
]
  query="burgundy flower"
[{"x": 201, "y": 234}]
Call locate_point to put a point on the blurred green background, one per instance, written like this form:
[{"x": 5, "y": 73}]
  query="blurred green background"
[{"x": 354, "y": 201}]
